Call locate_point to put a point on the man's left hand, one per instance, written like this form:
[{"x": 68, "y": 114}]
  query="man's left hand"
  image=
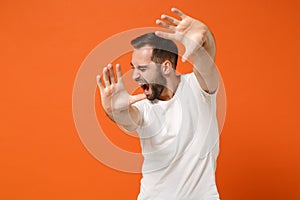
[{"x": 190, "y": 32}]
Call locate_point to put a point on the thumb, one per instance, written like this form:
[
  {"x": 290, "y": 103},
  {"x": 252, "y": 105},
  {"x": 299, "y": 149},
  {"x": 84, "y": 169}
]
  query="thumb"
[
  {"x": 169, "y": 36},
  {"x": 98, "y": 79},
  {"x": 135, "y": 98}
]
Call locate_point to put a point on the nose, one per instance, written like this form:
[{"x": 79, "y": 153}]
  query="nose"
[{"x": 136, "y": 75}]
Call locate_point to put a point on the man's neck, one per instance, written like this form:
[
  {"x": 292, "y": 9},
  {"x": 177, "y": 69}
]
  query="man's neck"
[{"x": 170, "y": 89}]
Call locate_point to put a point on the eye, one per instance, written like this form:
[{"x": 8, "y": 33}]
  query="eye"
[{"x": 143, "y": 69}]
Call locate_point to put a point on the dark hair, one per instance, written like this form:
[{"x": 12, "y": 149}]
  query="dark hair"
[{"x": 163, "y": 49}]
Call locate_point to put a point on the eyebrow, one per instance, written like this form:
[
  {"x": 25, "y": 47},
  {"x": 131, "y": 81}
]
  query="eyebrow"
[{"x": 140, "y": 66}]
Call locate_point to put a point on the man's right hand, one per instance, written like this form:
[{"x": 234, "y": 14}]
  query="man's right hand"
[{"x": 115, "y": 99}]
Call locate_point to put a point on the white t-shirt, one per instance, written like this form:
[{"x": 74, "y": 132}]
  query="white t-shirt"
[{"x": 180, "y": 144}]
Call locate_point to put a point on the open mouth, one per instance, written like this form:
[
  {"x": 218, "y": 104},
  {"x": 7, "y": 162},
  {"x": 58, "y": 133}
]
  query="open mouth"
[{"x": 146, "y": 88}]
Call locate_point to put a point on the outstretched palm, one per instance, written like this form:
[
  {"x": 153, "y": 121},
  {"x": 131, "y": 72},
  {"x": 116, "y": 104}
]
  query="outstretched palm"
[
  {"x": 114, "y": 96},
  {"x": 190, "y": 32}
]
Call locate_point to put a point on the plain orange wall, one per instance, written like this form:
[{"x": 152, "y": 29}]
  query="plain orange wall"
[{"x": 43, "y": 44}]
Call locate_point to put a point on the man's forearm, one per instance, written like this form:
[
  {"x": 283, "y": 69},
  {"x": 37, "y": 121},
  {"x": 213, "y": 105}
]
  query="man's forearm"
[
  {"x": 210, "y": 45},
  {"x": 204, "y": 66}
]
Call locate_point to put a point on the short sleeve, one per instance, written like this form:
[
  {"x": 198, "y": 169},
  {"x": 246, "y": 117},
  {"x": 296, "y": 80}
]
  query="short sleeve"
[
  {"x": 140, "y": 105},
  {"x": 198, "y": 90},
  {"x": 195, "y": 82}
]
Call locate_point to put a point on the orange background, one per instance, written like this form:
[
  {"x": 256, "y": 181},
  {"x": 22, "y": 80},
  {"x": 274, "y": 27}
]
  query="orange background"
[{"x": 43, "y": 44}]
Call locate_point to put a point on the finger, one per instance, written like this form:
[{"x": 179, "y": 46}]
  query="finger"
[
  {"x": 170, "y": 19},
  {"x": 98, "y": 79},
  {"x": 111, "y": 74},
  {"x": 136, "y": 98},
  {"x": 106, "y": 77},
  {"x": 170, "y": 36},
  {"x": 165, "y": 25},
  {"x": 119, "y": 72},
  {"x": 178, "y": 12}
]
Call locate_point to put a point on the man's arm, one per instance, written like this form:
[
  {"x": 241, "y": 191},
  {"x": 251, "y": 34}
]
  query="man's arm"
[
  {"x": 116, "y": 101},
  {"x": 129, "y": 118},
  {"x": 198, "y": 42},
  {"x": 204, "y": 66}
]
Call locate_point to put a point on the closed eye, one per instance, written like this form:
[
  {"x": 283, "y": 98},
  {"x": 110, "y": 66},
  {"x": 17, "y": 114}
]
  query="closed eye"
[{"x": 140, "y": 67}]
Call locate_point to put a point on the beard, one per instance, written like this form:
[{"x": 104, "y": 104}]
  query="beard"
[
  {"x": 157, "y": 86},
  {"x": 156, "y": 90}
]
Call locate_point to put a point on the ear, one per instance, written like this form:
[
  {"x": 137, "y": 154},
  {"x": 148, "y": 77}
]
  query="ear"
[{"x": 166, "y": 67}]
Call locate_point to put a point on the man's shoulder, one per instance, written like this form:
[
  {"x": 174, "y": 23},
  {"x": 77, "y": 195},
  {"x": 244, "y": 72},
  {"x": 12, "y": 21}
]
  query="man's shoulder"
[
  {"x": 141, "y": 104},
  {"x": 186, "y": 76}
]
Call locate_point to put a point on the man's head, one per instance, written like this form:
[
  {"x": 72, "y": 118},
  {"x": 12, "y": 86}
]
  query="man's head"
[
  {"x": 153, "y": 59},
  {"x": 163, "y": 49}
]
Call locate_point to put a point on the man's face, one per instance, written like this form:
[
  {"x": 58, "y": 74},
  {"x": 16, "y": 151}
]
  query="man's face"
[{"x": 147, "y": 73}]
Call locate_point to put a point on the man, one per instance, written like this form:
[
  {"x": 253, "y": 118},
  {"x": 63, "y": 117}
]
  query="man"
[{"x": 176, "y": 115}]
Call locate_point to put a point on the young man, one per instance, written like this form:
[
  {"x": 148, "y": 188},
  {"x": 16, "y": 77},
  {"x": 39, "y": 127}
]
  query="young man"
[{"x": 176, "y": 115}]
